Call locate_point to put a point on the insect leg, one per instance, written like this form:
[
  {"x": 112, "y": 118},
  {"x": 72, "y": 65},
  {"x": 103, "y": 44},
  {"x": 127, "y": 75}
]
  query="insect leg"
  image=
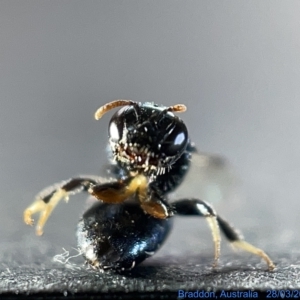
[
  {"x": 156, "y": 207},
  {"x": 117, "y": 192},
  {"x": 153, "y": 204},
  {"x": 193, "y": 207},
  {"x": 114, "y": 191},
  {"x": 47, "y": 199},
  {"x": 200, "y": 208},
  {"x": 237, "y": 241}
]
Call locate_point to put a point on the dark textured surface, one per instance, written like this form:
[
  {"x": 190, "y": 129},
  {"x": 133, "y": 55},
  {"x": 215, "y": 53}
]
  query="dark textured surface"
[
  {"x": 165, "y": 275},
  {"x": 156, "y": 277}
]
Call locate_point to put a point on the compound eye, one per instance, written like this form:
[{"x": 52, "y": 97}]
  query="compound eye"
[
  {"x": 123, "y": 118},
  {"x": 175, "y": 141},
  {"x": 115, "y": 132}
]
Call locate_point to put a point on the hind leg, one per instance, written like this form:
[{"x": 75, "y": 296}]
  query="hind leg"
[{"x": 195, "y": 207}]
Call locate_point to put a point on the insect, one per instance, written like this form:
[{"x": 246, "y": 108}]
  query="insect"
[{"x": 151, "y": 156}]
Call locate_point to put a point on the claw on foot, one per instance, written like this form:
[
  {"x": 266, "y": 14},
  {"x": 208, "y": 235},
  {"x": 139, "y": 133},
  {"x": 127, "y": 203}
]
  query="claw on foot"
[
  {"x": 27, "y": 217},
  {"x": 45, "y": 209},
  {"x": 254, "y": 250}
]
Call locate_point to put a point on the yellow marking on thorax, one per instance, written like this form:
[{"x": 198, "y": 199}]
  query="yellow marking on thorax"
[{"x": 139, "y": 185}]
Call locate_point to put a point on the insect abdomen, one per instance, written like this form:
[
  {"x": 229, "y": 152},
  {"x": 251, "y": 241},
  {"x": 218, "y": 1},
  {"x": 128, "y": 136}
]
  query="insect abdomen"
[{"x": 120, "y": 236}]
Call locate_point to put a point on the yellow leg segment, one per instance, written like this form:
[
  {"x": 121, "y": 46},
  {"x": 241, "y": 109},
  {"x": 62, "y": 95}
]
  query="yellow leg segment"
[
  {"x": 252, "y": 249},
  {"x": 45, "y": 210},
  {"x": 214, "y": 227}
]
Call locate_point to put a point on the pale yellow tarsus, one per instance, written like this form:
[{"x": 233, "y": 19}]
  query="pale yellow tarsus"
[
  {"x": 214, "y": 227},
  {"x": 45, "y": 210},
  {"x": 254, "y": 250}
]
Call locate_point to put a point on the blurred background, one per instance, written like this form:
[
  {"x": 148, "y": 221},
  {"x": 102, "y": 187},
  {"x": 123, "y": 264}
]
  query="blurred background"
[{"x": 236, "y": 66}]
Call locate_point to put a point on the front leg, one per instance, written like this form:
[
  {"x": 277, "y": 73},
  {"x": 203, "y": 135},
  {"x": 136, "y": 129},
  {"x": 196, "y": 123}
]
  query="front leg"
[
  {"x": 138, "y": 185},
  {"x": 195, "y": 207},
  {"x": 45, "y": 201}
]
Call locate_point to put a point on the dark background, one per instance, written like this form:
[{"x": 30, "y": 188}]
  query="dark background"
[{"x": 235, "y": 64}]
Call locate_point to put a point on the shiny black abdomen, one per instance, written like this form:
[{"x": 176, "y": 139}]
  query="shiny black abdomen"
[{"x": 120, "y": 236}]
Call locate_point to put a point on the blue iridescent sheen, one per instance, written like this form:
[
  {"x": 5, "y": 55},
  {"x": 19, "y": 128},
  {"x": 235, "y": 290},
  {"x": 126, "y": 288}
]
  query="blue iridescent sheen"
[{"x": 120, "y": 236}]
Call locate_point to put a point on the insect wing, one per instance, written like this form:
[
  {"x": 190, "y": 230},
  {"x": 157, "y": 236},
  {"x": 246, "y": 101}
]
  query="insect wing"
[{"x": 210, "y": 178}]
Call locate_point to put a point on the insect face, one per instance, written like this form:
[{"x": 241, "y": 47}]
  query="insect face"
[{"x": 147, "y": 137}]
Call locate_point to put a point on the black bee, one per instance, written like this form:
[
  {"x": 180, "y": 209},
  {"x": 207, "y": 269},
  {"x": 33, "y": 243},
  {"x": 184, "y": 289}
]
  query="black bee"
[{"x": 151, "y": 156}]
